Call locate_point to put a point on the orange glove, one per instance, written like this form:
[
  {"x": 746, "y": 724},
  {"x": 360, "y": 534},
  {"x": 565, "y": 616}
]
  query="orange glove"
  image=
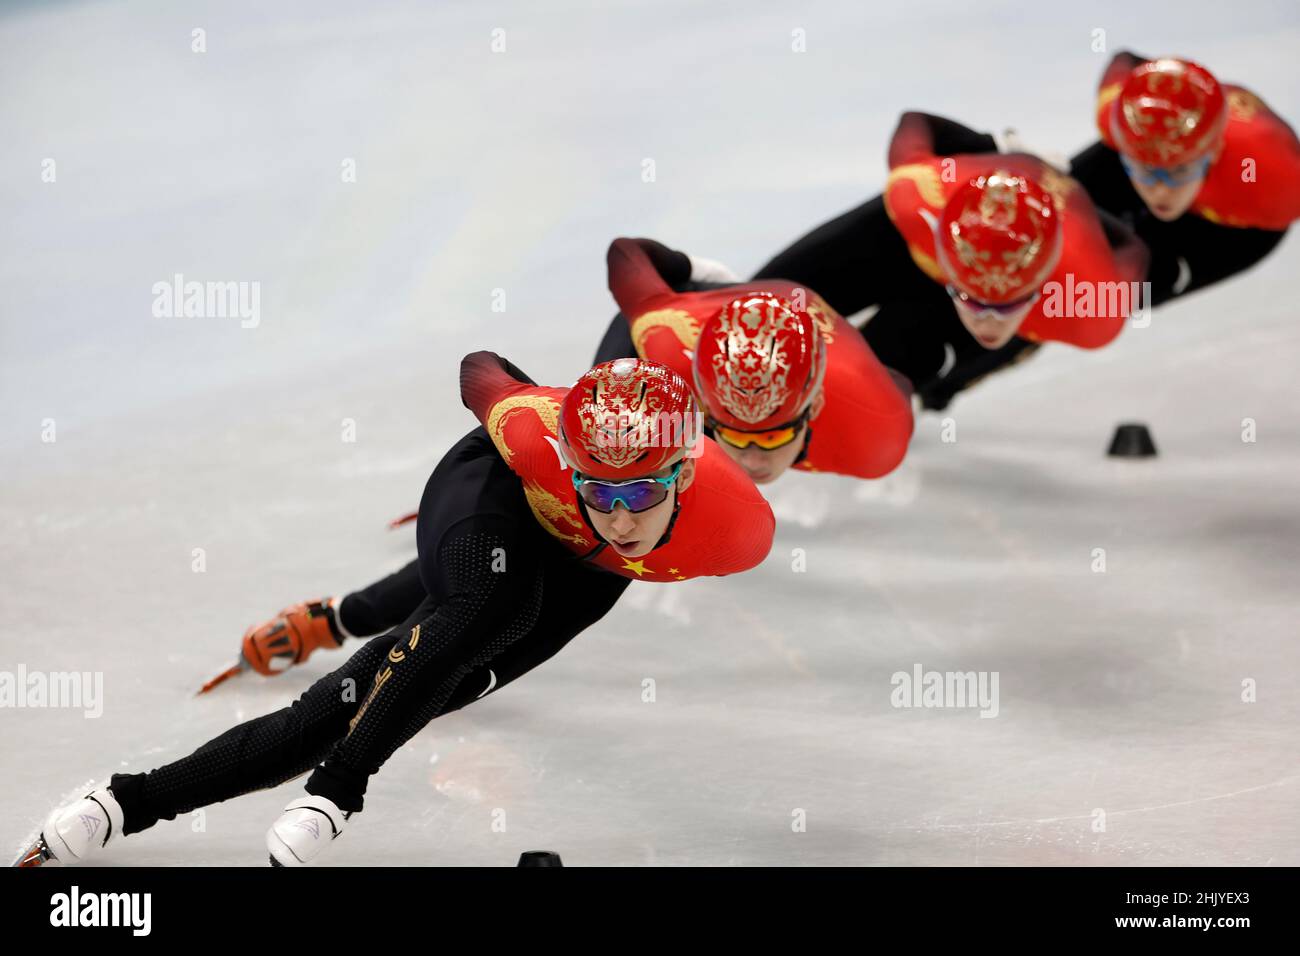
[{"x": 290, "y": 637}]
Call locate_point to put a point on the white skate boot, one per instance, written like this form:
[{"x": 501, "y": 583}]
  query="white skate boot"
[
  {"x": 77, "y": 831},
  {"x": 307, "y": 826}
]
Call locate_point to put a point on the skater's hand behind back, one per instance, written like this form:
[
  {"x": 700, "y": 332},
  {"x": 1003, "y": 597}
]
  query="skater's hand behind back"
[{"x": 290, "y": 637}]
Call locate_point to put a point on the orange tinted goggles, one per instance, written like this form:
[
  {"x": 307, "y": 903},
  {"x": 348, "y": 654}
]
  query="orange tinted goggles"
[{"x": 767, "y": 440}]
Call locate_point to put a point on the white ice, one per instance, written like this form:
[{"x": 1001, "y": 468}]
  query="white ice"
[{"x": 1121, "y": 693}]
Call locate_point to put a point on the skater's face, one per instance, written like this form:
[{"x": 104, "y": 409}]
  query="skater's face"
[
  {"x": 633, "y": 534},
  {"x": 991, "y": 331},
  {"x": 1167, "y": 192},
  {"x": 765, "y": 465}
]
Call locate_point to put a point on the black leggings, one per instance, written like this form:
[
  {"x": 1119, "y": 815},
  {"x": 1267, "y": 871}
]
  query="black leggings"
[
  {"x": 259, "y": 753},
  {"x": 384, "y": 605},
  {"x": 562, "y": 598}
]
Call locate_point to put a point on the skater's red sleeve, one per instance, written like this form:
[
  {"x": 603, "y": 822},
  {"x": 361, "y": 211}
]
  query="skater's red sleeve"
[
  {"x": 725, "y": 525},
  {"x": 517, "y": 414},
  {"x": 665, "y": 324},
  {"x": 865, "y": 426},
  {"x": 922, "y": 137},
  {"x": 486, "y": 378},
  {"x": 1091, "y": 292},
  {"x": 640, "y": 270},
  {"x": 912, "y": 142},
  {"x": 1255, "y": 181}
]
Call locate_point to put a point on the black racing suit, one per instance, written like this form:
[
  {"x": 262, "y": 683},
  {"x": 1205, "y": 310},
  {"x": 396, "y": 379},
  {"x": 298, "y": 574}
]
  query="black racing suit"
[{"x": 499, "y": 596}]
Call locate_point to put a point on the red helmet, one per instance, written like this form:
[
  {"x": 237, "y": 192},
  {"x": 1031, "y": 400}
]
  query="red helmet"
[
  {"x": 627, "y": 419},
  {"x": 1169, "y": 112},
  {"x": 758, "y": 362},
  {"x": 999, "y": 237}
]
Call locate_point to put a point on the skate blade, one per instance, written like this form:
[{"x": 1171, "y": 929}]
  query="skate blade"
[
  {"x": 224, "y": 676},
  {"x": 37, "y": 855}
]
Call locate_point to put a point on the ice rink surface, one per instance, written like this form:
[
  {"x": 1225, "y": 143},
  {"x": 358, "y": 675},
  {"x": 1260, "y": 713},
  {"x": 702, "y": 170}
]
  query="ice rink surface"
[{"x": 1120, "y": 692}]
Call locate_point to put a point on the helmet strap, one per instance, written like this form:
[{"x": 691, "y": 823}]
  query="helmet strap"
[
  {"x": 668, "y": 531},
  {"x": 807, "y": 442}
]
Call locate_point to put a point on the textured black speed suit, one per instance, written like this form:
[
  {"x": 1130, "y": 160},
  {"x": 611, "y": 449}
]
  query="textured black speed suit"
[{"x": 500, "y": 596}]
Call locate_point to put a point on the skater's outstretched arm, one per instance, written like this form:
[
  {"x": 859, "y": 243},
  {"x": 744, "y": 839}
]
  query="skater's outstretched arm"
[
  {"x": 294, "y": 634},
  {"x": 383, "y": 605},
  {"x": 922, "y": 136},
  {"x": 641, "y": 269}
]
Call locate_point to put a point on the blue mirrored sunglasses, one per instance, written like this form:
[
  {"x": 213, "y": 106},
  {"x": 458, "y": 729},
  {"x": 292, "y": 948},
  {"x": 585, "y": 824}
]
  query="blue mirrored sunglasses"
[
  {"x": 638, "y": 494},
  {"x": 1173, "y": 177}
]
